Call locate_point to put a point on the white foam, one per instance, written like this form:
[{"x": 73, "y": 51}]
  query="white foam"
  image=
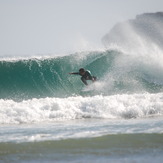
[{"x": 54, "y": 109}]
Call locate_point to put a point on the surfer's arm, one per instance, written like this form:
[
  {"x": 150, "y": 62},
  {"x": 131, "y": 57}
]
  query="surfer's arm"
[{"x": 74, "y": 73}]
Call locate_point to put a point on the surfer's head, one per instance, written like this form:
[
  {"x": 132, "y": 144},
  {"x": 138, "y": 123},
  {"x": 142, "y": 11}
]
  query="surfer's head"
[{"x": 81, "y": 70}]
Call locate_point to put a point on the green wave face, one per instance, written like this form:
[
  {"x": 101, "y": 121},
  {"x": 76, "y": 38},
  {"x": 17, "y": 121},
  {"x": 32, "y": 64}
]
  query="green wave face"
[
  {"x": 47, "y": 77},
  {"x": 40, "y": 78}
]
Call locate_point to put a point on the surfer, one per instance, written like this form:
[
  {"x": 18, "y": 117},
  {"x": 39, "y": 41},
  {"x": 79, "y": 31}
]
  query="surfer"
[{"x": 86, "y": 75}]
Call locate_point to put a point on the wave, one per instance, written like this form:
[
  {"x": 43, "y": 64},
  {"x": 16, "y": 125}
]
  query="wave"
[
  {"x": 48, "y": 77},
  {"x": 61, "y": 109},
  {"x": 28, "y": 78}
]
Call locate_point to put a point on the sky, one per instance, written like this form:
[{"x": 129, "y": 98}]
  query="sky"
[{"x": 52, "y": 27}]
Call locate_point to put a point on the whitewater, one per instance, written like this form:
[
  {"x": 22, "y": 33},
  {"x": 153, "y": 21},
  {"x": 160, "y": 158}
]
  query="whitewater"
[{"x": 45, "y": 116}]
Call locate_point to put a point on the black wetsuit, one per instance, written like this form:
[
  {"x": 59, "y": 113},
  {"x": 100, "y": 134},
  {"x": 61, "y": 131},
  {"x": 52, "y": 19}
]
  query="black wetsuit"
[{"x": 87, "y": 76}]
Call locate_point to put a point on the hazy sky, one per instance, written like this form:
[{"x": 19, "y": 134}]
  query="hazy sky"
[{"x": 43, "y": 27}]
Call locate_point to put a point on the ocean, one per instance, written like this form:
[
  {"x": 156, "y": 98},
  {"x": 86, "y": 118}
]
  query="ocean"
[
  {"x": 48, "y": 115},
  {"x": 45, "y": 116}
]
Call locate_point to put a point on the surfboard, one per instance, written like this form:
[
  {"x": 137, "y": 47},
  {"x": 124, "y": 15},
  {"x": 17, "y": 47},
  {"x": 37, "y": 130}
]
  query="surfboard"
[
  {"x": 86, "y": 89},
  {"x": 97, "y": 86},
  {"x": 91, "y": 87}
]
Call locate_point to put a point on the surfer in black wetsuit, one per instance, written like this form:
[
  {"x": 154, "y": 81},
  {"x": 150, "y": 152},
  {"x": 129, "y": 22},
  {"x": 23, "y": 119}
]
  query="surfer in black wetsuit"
[{"x": 86, "y": 75}]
